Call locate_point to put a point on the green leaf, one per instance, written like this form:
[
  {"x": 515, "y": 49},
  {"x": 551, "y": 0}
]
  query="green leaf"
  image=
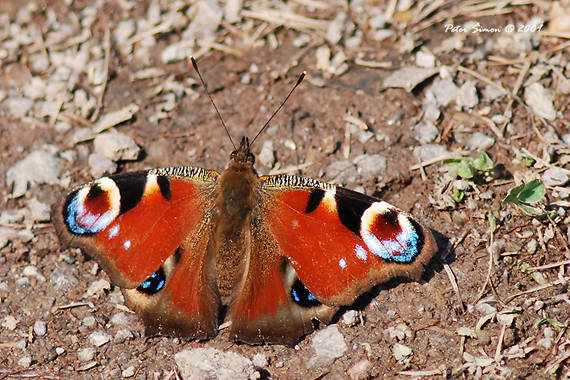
[
  {"x": 525, "y": 195},
  {"x": 532, "y": 192},
  {"x": 527, "y": 161},
  {"x": 483, "y": 162},
  {"x": 530, "y": 210},
  {"x": 458, "y": 195},
  {"x": 465, "y": 170},
  {"x": 554, "y": 323}
]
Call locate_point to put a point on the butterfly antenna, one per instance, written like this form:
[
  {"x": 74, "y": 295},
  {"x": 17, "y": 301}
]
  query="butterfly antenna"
[
  {"x": 212, "y": 101},
  {"x": 301, "y": 77}
]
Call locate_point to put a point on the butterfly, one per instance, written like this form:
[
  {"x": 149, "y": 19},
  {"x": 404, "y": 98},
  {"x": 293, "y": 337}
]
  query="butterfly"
[{"x": 192, "y": 247}]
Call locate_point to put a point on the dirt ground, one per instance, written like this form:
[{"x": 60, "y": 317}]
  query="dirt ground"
[{"x": 494, "y": 304}]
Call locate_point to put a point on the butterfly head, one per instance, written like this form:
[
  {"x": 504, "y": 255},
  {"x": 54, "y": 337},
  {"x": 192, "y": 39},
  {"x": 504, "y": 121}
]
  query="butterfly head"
[{"x": 242, "y": 156}]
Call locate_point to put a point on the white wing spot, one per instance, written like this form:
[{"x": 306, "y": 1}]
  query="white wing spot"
[
  {"x": 360, "y": 252},
  {"x": 114, "y": 231},
  {"x": 342, "y": 263},
  {"x": 127, "y": 244}
]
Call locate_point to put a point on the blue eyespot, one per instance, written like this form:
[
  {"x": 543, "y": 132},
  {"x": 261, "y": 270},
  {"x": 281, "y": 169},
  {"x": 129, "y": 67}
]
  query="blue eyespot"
[
  {"x": 302, "y": 296},
  {"x": 154, "y": 283}
]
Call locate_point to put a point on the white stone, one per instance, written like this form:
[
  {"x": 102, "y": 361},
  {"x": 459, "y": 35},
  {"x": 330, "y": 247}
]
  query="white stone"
[
  {"x": 210, "y": 363},
  {"x": 99, "y": 338},
  {"x": 540, "y": 100},
  {"x": 555, "y": 176},
  {"x": 38, "y": 167},
  {"x": 116, "y": 146},
  {"x": 86, "y": 354},
  {"x": 328, "y": 344},
  {"x": 40, "y": 328}
]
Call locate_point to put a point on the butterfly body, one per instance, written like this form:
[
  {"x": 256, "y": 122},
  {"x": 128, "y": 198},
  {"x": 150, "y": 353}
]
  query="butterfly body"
[{"x": 191, "y": 247}]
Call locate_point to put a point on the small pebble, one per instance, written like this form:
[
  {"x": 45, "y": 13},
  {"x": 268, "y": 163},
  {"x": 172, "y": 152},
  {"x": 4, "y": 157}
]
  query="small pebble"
[
  {"x": 425, "y": 59},
  {"x": 100, "y": 165},
  {"x": 479, "y": 142},
  {"x": 401, "y": 352},
  {"x": 467, "y": 97},
  {"x": 267, "y": 154},
  {"x": 430, "y": 151},
  {"x": 9, "y": 323},
  {"x": 40, "y": 328},
  {"x": 540, "y": 100},
  {"x": 555, "y": 176},
  {"x": 350, "y": 318},
  {"x": 39, "y": 167},
  {"x": 328, "y": 344},
  {"x": 116, "y": 146},
  {"x": 408, "y": 77},
  {"x": 443, "y": 92},
  {"x": 25, "y": 361},
  {"x": 99, "y": 338},
  {"x": 128, "y": 372},
  {"x": 86, "y": 354},
  {"x": 88, "y": 321},
  {"x": 259, "y": 360},
  {"x": 425, "y": 132}
]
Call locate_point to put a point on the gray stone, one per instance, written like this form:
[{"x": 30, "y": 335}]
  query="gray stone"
[
  {"x": 116, "y": 146},
  {"x": 431, "y": 112},
  {"x": 123, "y": 335},
  {"x": 128, "y": 372},
  {"x": 430, "y": 151},
  {"x": 99, "y": 338},
  {"x": 100, "y": 165},
  {"x": 467, "y": 97},
  {"x": 328, "y": 344},
  {"x": 478, "y": 141},
  {"x": 444, "y": 92},
  {"x": 555, "y": 177},
  {"x": 370, "y": 165},
  {"x": 210, "y": 363},
  {"x": 267, "y": 154},
  {"x": 350, "y": 318},
  {"x": 40, "y": 328},
  {"x": 40, "y": 212},
  {"x": 89, "y": 321},
  {"x": 409, "y": 77},
  {"x": 540, "y": 100},
  {"x": 86, "y": 354},
  {"x": 425, "y": 132},
  {"x": 259, "y": 360},
  {"x": 425, "y": 59},
  {"x": 39, "y": 167},
  {"x": 342, "y": 172}
]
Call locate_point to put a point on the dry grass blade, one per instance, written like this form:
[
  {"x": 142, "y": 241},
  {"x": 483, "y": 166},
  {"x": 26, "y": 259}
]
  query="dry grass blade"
[
  {"x": 290, "y": 20},
  {"x": 561, "y": 281}
]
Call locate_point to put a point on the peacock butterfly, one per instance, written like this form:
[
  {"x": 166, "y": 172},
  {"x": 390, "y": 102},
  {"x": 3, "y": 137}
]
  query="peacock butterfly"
[{"x": 190, "y": 247}]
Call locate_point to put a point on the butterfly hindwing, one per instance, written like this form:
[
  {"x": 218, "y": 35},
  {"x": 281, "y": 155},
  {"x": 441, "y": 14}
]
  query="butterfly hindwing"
[
  {"x": 270, "y": 306},
  {"x": 340, "y": 242}
]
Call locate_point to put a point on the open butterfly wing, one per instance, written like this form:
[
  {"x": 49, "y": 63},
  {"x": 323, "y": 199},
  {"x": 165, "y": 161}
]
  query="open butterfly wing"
[
  {"x": 340, "y": 242},
  {"x": 149, "y": 232}
]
